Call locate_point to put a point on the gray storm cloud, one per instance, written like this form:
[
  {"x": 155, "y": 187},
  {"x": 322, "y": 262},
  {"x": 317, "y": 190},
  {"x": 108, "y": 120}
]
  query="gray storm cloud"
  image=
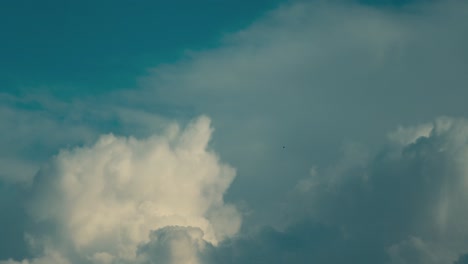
[
  {"x": 313, "y": 75},
  {"x": 407, "y": 202}
]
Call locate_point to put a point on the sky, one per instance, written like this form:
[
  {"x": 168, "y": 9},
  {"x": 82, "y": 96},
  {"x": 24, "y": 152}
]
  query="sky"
[{"x": 218, "y": 131}]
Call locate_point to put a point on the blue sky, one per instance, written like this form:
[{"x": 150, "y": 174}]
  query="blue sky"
[
  {"x": 105, "y": 44},
  {"x": 234, "y": 132}
]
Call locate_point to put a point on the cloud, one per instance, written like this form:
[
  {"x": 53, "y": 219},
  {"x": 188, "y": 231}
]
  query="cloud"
[
  {"x": 12, "y": 222},
  {"x": 406, "y": 204},
  {"x": 175, "y": 245},
  {"x": 414, "y": 250},
  {"x": 35, "y": 126},
  {"x": 30, "y": 134},
  {"x": 304, "y": 242},
  {"x": 405, "y": 136},
  {"x": 406, "y": 200},
  {"x": 313, "y": 75},
  {"x": 101, "y": 202},
  {"x": 462, "y": 260},
  {"x": 50, "y": 257}
]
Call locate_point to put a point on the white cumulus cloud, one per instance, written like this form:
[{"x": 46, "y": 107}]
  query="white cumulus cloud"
[{"x": 104, "y": 200}]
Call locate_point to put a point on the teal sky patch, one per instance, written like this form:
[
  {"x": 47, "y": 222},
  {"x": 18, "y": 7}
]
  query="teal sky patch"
[{"x": 102, "y": 45}]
